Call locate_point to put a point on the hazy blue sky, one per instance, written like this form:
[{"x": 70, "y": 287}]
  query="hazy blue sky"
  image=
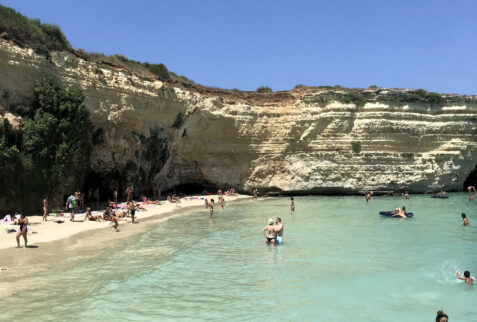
[{"x": 430, "y": 44}]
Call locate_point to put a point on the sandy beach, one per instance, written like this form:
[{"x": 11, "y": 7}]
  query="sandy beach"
[{"x": 51, "y": 231}]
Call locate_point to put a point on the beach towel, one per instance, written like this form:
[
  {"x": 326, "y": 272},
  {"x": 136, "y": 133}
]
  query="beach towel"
[{"x": 7, "y": 219}]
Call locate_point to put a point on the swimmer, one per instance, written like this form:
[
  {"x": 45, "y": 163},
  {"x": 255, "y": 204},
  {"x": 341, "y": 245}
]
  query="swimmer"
[
  {"x": 441, "y": 317},
  {"x": 278, "y": 231},
  {"x": 269, "y": 233},
  {"x": 407, "y": 195},
  {"x": 466, "y": 221},
  {"x": 468, "y": 280},
  {"x": 292, "y": 205}
]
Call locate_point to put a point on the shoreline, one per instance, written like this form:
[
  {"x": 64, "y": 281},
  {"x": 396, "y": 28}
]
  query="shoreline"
[{"x": 50, "y": 231}]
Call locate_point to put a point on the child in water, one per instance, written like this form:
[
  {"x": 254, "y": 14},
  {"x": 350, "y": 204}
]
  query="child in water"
[
  {"x": 468, "y": 280},
  {"x": 466, "y": 221}
]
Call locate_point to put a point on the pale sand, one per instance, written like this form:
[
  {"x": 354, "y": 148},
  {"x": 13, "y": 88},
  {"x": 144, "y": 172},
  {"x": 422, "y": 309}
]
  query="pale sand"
[{"x": 44, "y": 232}]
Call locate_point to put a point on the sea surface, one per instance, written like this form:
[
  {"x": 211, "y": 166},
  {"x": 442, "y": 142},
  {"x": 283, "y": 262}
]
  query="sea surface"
[{"x": 340, "y": 261}]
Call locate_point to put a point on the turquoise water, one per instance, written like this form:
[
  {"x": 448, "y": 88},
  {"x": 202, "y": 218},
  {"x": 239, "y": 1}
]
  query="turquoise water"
[{"x": 340, "y": 261}]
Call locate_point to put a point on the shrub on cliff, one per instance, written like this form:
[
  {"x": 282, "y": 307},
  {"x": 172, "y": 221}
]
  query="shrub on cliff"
[
  {"x": 356, "y": 99},
  {"x": 419, "y": 96},
  {"x": 31, "y": 32},
  {"x": 264, "y": 89},
  {"x": 50, "y": 154},
  {"x": 356, "y": 146}
]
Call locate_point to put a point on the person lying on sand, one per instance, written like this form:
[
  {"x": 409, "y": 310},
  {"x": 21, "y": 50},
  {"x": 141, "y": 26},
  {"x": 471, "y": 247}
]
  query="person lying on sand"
[
  {"x": 468, "y": 280},
  {"x": 90, "y": 217}
]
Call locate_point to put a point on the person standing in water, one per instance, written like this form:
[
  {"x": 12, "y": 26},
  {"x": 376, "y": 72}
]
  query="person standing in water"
[
  {"x": 469, "y": 189},
  {"x": 221, "y": 199},
  {"x": 407, "y": 195},
  {"x": 368, "y": 196},
  {"x": 292, "y": 204},
  {"x": 23, "y": 222},
  {"x": 468, "y": 280},
  {"x": 45, "y": 208},
  {"x": 278, "y": 231},
  {"x": 206, "y": 204},
  {"x": 269, "y": 232},
  {"x": 211, "y": 208},
  {"x": 466, "y": 221}
]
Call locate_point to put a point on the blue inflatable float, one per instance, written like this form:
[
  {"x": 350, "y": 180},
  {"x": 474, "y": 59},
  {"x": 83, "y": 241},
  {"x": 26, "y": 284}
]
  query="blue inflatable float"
[
  {"x": 440, "y": 197},
  {"x": 391, "y": 213}
]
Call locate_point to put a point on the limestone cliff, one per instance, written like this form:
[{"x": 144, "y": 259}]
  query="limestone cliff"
[{"x": 153, "y": 133}]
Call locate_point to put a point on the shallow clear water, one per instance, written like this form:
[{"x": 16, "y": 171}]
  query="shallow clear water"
[{"x": 340, "y": 261}]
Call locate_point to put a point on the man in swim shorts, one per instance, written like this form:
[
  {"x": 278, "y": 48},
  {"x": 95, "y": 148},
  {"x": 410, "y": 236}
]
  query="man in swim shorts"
[{"x": 278, "y": 231}]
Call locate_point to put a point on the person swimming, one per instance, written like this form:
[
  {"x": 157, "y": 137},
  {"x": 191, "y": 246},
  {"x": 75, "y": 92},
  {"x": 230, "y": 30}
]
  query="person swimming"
[
  {"x": 400, "y": 212},
  {"x": 468, "y": 280},
  {"x": 466, "y": 221},
  {"x": 441, "y": 317}
]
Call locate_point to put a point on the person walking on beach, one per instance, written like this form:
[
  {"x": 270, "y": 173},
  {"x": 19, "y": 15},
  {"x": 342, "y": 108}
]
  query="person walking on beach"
[
  {"x": 278, "y": 231},
  {"x": 466, "y": 221},
  {"x": 132, "y": 210},
  {"x": 45, "y": 208},
  {"x": 129, "y": 194},
  {"x": 78, "y": 200},
  {"x": 71, "y": 207},
  {"x": 292, "y": 205},
  {"x": 23, "y": 222},
  {"x": 255, "y": 194},
  {"x": 269, "y": 233},
  {"x": 468, "y": 280},
  {"x": 441, "y": 317}
]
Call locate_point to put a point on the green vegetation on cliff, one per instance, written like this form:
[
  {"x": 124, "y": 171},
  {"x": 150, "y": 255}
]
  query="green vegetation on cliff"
[
  {"x": 31, "y": 32},
  {"x": 50, "y": 154}
]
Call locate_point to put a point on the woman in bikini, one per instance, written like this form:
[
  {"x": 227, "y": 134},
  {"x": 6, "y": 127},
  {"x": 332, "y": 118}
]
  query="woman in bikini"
[
  {"x": 269, "y": 233},
  {"x": 23, "y": 222}
]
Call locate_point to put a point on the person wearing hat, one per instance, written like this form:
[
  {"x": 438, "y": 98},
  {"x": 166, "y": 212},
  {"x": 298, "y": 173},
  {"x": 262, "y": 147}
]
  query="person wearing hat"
[{"x": 269, "y": 232}]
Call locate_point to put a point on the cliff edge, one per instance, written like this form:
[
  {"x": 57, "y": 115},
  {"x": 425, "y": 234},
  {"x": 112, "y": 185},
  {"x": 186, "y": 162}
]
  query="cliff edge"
[{"x": 182, "y": 136}]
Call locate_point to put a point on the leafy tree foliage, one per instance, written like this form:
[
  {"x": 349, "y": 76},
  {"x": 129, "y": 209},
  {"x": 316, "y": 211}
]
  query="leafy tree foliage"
[{"x": 53, "y": 149}]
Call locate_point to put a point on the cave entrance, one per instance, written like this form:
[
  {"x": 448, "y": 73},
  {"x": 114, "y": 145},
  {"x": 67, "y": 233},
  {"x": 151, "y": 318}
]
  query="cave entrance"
[{"x": 471, "y": 180}]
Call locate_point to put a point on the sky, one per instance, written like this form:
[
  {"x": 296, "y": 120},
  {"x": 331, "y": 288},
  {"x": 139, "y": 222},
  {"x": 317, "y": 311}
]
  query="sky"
[{"x": 245, "y": 44}]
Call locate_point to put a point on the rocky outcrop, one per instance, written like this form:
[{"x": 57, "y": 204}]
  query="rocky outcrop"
[{"x": 310, "y": 140}]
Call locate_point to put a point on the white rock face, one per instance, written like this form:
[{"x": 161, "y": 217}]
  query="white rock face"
[{"x": 158, "y": 134}]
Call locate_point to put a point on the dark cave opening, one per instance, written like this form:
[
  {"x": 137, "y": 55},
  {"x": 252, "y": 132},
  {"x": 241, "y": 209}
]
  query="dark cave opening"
[{"x": 471, "y": 179}]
